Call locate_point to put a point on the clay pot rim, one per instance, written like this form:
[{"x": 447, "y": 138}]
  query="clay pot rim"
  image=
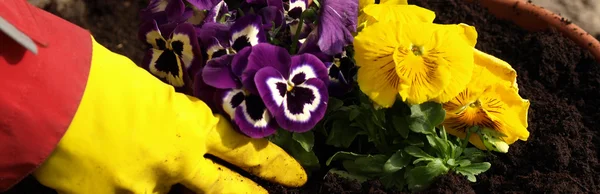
[{"x": 532, "y": 17}]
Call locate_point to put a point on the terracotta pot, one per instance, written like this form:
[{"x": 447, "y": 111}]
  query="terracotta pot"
[{"x": 535, "y": 18}]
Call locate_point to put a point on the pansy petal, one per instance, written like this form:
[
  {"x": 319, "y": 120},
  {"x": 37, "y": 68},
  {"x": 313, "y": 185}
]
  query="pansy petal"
[
  {"x": 185, "y": 44},
  {"x": 205, "y": 92},
  {"x": 264, "y": 55},
  {"x": 150, "y": 34},
  {"x": 247, "y": 31},
  {"x": 337, "y": 22},
  {"x": 217, "y": 12},
  {"x": 296, "y": 8},
  {"x": 240, "y": 61},
  {"x": 230, "y": 99},
  {"x": 311, "y": 46},
  {"x": 304, "y": 106},
  {"x": 254, "y": 119},
  {"x": 214, "y": 38},
  {"x": 175, "y": 9},
  {"x": 307, "y": 66},
  {"x": 272, "y": 87},
  {"x": 217, "y": 73},
  {"x": 203, "y": 4},
  {"x": 271, "y": 14},
  {"x": 194, "y": 16}
]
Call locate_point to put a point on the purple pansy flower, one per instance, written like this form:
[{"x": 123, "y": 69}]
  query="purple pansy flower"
[
  {"x": 216, "y": 12},
  {"x": 337, "y": 22},
  {"x": 271, "y": 11},
  {"x": 340, "y": 67},
  {"x": 173, "y": 59},
  {"x": 246, "y": 109},
  {"x": 219, "y": 39},
  {"x": 294, "y": 89}
]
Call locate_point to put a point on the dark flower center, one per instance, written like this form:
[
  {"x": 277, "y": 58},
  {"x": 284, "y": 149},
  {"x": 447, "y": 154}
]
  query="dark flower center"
[
  {"x": 297, "y": 97},
  {"x": 219, "y": 53},
  {"x": 240, "y": 43},
  {"x": 255, "y": 107},
  {"x": 162, "y": 45},
  {"x": 237, "y": 99},
  {"x": 295, "y": 12},
  {"x": 168, "y": 62},
  {"x": 177, "y": 47},
  {"x": 299, "y": 79},
  {"x": 282, "y": 88}
]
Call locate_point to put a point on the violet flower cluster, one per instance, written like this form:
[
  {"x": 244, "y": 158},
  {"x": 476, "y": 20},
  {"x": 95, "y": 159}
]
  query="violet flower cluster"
[{"x": 267, "y": 64}]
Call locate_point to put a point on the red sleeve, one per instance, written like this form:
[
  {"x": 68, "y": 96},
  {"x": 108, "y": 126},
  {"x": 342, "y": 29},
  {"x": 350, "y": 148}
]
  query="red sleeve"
[{"x": 39, "y": 94}]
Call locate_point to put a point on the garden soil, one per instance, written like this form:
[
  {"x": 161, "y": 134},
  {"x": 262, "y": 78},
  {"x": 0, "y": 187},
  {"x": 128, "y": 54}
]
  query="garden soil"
[{"x": 561, "y": 80}]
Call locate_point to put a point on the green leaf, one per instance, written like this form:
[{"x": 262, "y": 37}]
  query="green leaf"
[
  {"x": 369, "y": 166},
  {"x": 417, "y": 152},
  {"x": 415, "y": 141},
  {"x": 308, "y": 160},
  {"x": 473, "y": 169},
  {"x": 464, "y": 162},
  {"x": 401, "y": 125},
  {"x": 341, "y": 155},
  {"x": 398, "y": 161},
  {"x": 334, "y": 104},
  {"x": 424, "y": 117},
  {"x": 440, "y": 145},
  {"x": 473, "y": 154},
  {"x": 306, "y": 140},
  {"x": 346, "y": 174},
  {"x": 422, "y": 176},
  {"x": 353, "y": 114},
  {"x": 341, "y": 134},
  {"x": 395, "y": 179}
]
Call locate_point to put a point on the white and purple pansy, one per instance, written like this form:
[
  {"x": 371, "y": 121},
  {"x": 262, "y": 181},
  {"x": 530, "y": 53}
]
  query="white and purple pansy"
[
  {"x": 294, "y": 90},
  {"x": 246, "y": 109},
  {"x": 173, "y": 59},
  {"x": 341, "y": 73},
  {"x": 247, "y": 31},
  {"x": 214, "y": 39},
  {"x": 337, "y": 22}
]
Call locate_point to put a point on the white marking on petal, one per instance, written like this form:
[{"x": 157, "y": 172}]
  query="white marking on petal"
[
  {"x": 227, "y": 107},
  {"x": 308, "y": 71},
  {"x": 307, "y": 108},
  {"x": 214, "y": 48},
  {"x": 272, "y": 85},
  {"x": 249, "y": 31},
  {"x": 262, "y": 123},
  {"x": 299, "y": 3}
]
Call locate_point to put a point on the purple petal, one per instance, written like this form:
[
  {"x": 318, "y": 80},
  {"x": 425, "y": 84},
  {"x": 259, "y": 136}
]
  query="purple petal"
[
  {"x": 337, "y": 22},
  {"x": 230, "y": 99},
  {"x": 203, "y": 4},
  {"x": 264, "y": 55},
  {"x": 247, "y": 31},
  {"x": 175, "y": 10},
  {"x": 272, "y": 87},
  {"x": 205, "y": 92},
  {"x": 154, "y": 7},
  {"x": 271, "y": 14},
  {"x": 185, "y": 44},
  {"x": 217, "y": 73},
  {"x": 194, "y": 16},
  {"x": 217, "y": 12},
  {"x": 303, "y": 106},
  {"x": 296, "y": 8},
  {"x": 240, "y": 61},
  {"x": 305, "y": 67},
  {"x": 150, "y": 34},
  {"x": 254, "y": 119},
  {"x": 310, "y": 46},
  {"x": 214, "y": 38}
]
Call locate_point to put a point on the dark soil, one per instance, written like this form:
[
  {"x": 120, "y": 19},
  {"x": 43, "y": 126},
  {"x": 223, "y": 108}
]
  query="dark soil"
[{"x": 561, "y": 80}]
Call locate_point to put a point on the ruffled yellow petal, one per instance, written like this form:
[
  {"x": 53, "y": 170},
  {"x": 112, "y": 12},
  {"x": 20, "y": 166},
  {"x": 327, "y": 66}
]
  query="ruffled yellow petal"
[
  {"x": 441, "y": 65},
  {"x": 515, "y": 115},
  {"x": 374, "y": 48},
  {"x": 493, "y": 70},
  {"x": 459, "y": 41},
  {"x": 395, "y": 13}
]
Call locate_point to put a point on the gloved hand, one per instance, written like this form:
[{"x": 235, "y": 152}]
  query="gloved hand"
[{"x": 134, "y": 134}]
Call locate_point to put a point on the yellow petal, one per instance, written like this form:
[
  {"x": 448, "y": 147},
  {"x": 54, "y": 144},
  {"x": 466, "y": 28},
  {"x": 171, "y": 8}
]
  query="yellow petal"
[
  {"x": 514, "y": 116},
  {"x": 494, "y": 70},
  {"x": 443, "y": 66},
  {"x": 459, "y": 41},
  {"x": 374, "y": 48},
  {"x": 395, "y": 13},
  {"x": 363, "y": 3}
]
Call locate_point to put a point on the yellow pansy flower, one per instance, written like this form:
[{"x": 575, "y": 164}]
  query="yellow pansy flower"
[
  {"x": 419, "y": 61},
  {"x": 394, "y": 13},
  {"x": 491, "y": 102}
]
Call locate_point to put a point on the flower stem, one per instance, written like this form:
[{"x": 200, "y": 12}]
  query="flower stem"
[{"x": 297, "y": 35}]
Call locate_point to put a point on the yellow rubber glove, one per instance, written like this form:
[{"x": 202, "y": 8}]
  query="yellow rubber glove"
[{"x": 134, "y": 134}]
